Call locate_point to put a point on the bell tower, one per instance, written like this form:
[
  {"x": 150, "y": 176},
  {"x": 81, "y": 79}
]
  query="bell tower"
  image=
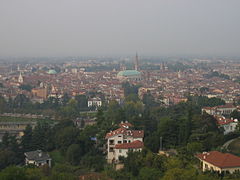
[{"x": 136, "y": 63}]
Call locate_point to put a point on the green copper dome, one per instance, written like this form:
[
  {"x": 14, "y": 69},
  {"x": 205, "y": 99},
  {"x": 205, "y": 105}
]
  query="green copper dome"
[
  {"x": 128, "y": 73},
  {"x": 52, "y": 71}
]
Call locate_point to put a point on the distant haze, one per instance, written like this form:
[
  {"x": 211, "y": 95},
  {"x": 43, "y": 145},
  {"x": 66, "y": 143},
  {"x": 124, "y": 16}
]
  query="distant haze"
[{"x": 114, "y": 27}]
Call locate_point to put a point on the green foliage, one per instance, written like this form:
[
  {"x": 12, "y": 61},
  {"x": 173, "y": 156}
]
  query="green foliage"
[
  {"x": 10, "y": 151},
  {"x": 26, "y": 87},
  {"x": 129, "y": 89},
  {"x": 66, "y": 138},
  {"x": 21, "y": 101},
  {"x": 40, "y": 136},
  {"x": 82, "y": 102},
  {"x": 148, "y": 100},
  {"x": 74, "y": 153},
  {"x": 235, "y": 114},
  {"x": 69, "y": 111},
  {"x": 3, "y": 105},
  {"x": 203, "y": 101},
  {"x": 93, "y": 162},
  {"x": 180, "y": 174},
  {"x": 149, "y": 174},
  {"x": 27, "y": 140},
  {"x": 6, "y": 158},
  {"x": 168, "y": 130},
  {"x": 13, "y": 173},
  {"x": 217, "y": 74},
  {"x": 57, "y": 157}
]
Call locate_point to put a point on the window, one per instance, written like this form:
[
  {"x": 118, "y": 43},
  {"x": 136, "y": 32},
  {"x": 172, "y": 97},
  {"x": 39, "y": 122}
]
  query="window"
[
  {"x": 111, "y": 142},
  {"x": 124, "y": 141},
  {"x": 119, "y": 142},
  {"x": 111, "y": 150},
  {"x": 119, "y": 136},
  {"x": 120, "y": 151}
]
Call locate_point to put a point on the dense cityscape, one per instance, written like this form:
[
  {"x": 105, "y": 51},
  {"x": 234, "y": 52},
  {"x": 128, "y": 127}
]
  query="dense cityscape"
[
  {"x": 96, "y": 118},
  {"x": 119, "y": 90}
]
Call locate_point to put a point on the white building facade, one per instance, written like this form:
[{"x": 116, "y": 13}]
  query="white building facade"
[
  {"x": 123, "y": 140},
  {"x": 97, "y": 102}
]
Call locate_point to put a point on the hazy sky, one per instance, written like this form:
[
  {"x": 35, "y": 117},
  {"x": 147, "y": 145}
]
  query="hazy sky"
[{"x": 115, "y": 27}]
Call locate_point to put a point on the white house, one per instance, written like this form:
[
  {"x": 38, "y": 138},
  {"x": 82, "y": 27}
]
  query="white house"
[
  {"x": 123, "y": 140},
  {"x": 220, "y": 162},
  {"x": 229, "y": 125},
  {"x": 226, "y": 109},
  {"x": 97, "y": 102}
]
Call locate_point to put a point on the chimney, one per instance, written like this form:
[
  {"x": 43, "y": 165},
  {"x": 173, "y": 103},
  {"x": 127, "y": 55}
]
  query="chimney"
[{"x": 39, "y": 153}]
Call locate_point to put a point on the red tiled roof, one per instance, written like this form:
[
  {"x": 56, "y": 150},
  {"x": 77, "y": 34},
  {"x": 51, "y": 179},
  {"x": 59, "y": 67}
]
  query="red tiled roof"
[
  {"x": 127, "y": 132},
  {"x": 222, "y": 160},
  {"x": 133, "y": 145},
  {"x": 222, "y": 120},
  {"x": 226, "y": 106},
  {"x": 125, "y": 125},
  {"x": 208, "y": 108}
]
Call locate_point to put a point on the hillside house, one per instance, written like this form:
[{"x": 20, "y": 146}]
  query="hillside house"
[{"x": 123, "y": 140}]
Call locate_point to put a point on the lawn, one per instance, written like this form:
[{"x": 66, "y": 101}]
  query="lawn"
[
  {"x": 234, "y": 146},
  {"x": 57, "y": 157}
]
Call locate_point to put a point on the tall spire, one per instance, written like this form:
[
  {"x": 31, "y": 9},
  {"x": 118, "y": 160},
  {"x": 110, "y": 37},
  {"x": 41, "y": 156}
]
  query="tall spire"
[
  {"x": 20, "y": 78},
  {"x": 136, "y": 63}
]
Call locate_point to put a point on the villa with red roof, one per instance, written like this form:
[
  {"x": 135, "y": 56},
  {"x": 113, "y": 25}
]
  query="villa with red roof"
[
  {"x": 217, "y": 161},
  {"x": 123, "y": 140},
  {"x": 228, "y": 125}
]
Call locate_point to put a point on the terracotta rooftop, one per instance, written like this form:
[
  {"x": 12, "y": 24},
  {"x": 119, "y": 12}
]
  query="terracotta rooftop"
[
  {"x": 226, "y": 106},
  {"x": 222, "y": 160},
  {"x": 127, "y": 132},
  {"x": 222, "y": 120},
  {"x": 133, "y": 145},
  {"x": 125, "y": 125}
]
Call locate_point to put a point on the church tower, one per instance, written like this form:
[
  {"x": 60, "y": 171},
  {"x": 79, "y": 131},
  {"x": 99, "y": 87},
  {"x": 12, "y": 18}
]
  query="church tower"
[
  {"x": 20, "y": 78},
  {"x": 136, "y": 63}
]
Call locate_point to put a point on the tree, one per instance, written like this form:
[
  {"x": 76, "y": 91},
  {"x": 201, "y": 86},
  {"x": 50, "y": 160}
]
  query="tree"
[
  {"x": 134, "y": 162},
  {"x": 26, "y": 87},
  {"x": 3, "y": 105},
  {"x": 70, "y": 110},
  {"x": 65, "y": 99},
  {"x": 149, "y": 174},
  {"x": 66, "y": 138},
  {"x": 129, "y": 89},
  {"x": 235, "y": 114},
  {"x": 180, "y": 174},
  {"x": 82, "y": 102},
  {"x": 148, "y": 100},
  {"x": 168, "y": 130},
  {"x": 74, "y": 153},
  {"x": 13, "y": 173},
  {"x": 40, "y": 136},
  {"x": 26, "y": 140},
  {"x": 114, "y": 113},
  {"x": 21, "y": 101},
  {"x": 6, "y": 158}
]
